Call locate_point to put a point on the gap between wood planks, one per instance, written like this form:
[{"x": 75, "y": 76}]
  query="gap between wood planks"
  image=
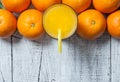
[
  {"x": 110, "y": 59},
  {"x": 12, "y": 59}
]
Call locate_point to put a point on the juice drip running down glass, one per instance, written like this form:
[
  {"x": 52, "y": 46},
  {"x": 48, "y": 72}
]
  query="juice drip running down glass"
[{"x": 60, "y": 22}]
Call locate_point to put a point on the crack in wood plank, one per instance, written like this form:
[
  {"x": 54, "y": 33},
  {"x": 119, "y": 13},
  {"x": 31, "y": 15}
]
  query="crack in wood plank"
[
  {"x": 2, "y": 76},
  {"x": 11, "y": 58},
  {"x": 40, "y": 63},
  {"x": 40, "y": 67}
]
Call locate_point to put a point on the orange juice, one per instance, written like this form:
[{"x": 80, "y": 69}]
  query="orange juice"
[{"x": 60, "y": 22}]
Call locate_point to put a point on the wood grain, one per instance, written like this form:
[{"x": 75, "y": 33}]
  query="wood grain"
[
  {"x": 81, "y": 60},
  {"x": 115, "y": 60},
  {"x": 5, "y": 60},
  {"x": 26, "y": 58},
  {"x": 22, "y": 60}
]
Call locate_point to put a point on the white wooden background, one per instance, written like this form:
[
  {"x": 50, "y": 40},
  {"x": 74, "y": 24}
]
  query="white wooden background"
[{"x": 22, "y": 60}]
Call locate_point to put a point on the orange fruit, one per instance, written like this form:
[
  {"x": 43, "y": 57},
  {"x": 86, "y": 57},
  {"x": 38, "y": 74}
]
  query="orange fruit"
[
  {"x": 78, "y": 5},
  {"x": 7, "y": 23},
  {"x": 16, "y": 5},
  {"x": 113, "y": 23},
  {"x": 30, "y": 24},
  {"x": 43, "y": 4},
  {"x": 106, "y": 6},
  {"x": 91, "y": 24}
]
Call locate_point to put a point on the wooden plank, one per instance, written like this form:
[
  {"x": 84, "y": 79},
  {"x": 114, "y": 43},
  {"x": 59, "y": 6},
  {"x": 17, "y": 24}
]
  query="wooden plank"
[
  {"x": 115, "y": 60},
  {"x": 26, "y": 58},
  {"x": 5, "y": 60},
  {"x": 80, "y": 61}
]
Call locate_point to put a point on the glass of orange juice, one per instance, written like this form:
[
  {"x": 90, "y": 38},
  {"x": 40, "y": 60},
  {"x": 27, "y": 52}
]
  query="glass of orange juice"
[{"x": 60, "y": 22}]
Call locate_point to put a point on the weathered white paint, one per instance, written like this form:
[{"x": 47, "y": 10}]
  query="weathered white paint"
[
  {"x": 81, "y": 60},
  {"x": 115, "y": 60},
  {"x": 26, "y": 58},
  {"x": 5, "y": 60},
  {"x": 22, "y": 60}
]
